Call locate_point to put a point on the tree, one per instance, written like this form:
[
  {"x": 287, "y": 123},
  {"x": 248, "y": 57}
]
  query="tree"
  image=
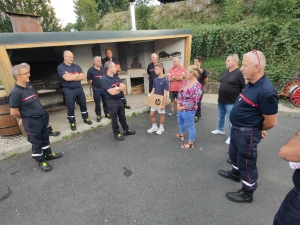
[
  {"x": 48, "y": 19},
  {"x": 87, "y": 16},
  {"x": 107, "y": 6}
]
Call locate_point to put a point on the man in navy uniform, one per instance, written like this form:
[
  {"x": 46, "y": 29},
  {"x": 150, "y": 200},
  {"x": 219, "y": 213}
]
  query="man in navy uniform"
[
  {"x": 254, "y": 111},
  {"x": 71, "y": 76},
  {"x": 113, "y": 88},
  {"x": 25, "y": 105},
  {"x": 151, "y": 70},
  {"x": 94, "y": 76},
  {"x": 109, "y": 57}
]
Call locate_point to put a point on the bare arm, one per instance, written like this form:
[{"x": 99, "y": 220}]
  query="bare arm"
[
  {"x": 269, "y": 122},
  {"x": 205, "y": 80},
  {"x": 73, "y": 77},
  {"x": 118, "y": 68},
  {"x": 90, "y": 83},
  {"x": 114, "y": 91},
  {"x": 165, "y": 100},
  {"x": 15, "y": 112},
  {"x": 290, "y": 151}
]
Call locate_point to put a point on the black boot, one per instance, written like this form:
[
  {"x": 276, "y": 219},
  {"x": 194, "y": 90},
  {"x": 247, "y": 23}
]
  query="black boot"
[
  {"x": 230, "y": 175},
  {"x": 240, "y": 196}
]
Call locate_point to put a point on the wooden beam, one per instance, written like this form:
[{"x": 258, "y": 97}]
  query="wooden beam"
[
  {"x": 5, "y": 66},
  {"x": 187, "y": 51},
  {"x": 85, "y": 42}
]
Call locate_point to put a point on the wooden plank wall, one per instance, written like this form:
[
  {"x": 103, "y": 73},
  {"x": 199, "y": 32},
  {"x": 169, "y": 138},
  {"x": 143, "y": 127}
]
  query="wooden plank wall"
[{"x": 5, "y": 66}]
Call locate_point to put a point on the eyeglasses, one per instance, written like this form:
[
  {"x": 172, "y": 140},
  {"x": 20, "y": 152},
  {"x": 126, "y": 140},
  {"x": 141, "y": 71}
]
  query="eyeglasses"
[
  {"x": 255, "y": 51},
  {"x": 27, "y": 73}
]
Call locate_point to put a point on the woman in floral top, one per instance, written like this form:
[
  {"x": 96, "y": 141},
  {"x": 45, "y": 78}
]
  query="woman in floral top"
[{"x": 188, "y": 97}]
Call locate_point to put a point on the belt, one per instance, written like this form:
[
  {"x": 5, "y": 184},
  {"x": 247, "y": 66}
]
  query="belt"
[
  {"x": 73, "y": 88},
  {"x": 33, "y": 116},
  {"x": 114, "y": 99},
  {"x": 245, "y": 128}
]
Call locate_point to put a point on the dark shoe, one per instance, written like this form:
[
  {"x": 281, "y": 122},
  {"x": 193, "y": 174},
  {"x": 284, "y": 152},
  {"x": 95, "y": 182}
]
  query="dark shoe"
[
  {"x": 73, "y": 126},
  {"x": 119, "y": 137},
  {"x": 196, "y": 119},
  {"x": 54, "y": 133},
  {"x": 45, "y": 166},
  {"x": 98, "y": 118},
  {"x": 107, "y": 116},
  {"x": 129, "y": 132},
  {"x": 53, "y": 156},
  {"x": 240, "y": 196},
  {"x": 229, "y": 161},
  {"x": 87, "y": 120},
  {"x": 229, "y": 175},
  {"x": 127, "y": 106}
]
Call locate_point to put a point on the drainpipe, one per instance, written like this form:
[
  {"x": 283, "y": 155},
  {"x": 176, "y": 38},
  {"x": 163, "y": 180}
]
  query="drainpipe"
[{"x": 132, "y": 15}]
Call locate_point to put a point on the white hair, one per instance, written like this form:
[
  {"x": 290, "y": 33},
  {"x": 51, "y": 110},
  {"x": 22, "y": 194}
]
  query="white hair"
[{"x": 257, "y": 58}]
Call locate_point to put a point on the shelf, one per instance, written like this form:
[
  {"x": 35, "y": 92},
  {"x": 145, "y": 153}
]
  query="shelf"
[{"x": 171, "y": 58}]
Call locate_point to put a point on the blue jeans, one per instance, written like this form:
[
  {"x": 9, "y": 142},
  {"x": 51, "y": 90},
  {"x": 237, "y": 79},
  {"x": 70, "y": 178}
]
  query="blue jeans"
[
  {"x": 186, "y": 120},
  {"x": 224, "y": 110}
]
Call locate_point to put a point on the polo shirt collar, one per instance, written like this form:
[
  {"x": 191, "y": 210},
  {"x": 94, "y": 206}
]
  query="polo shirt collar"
[
  {"x": 257, "y": 83},
  {"x": 68, "y": 65},
  {"x": 20, "y": 87}
]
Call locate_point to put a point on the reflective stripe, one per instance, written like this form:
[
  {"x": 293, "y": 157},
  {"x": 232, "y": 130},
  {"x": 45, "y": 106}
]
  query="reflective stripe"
[
  {"x": 248, "y": 101},
  {"x": 83, "y": 112},
  {"x": 235, "y": 167},
  {"x": 35, "y": 155},
  {"x": 46, "y": 147},
  {"x": 31, "y": 96},
  {"x": 70, "y": 116},
  {"x": 249, "y": 185}
]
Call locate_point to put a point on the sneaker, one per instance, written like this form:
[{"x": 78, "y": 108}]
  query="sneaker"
[
  {"x": 160, "y": 130},
  {"x": 119, "y": 137},
  {"x": 87, "y": 120},
  {"x": 73, "y": 126},
  {"x": 53, "y": 156},
  {"x": 129, "y": 132},
  {"x": 171, "y": 113},
  {"x": 227, "y": 141},
  {"x": 152, "y": 129},
  {"x": 54, "y": 133},
  {"x": 98, "y": 118},
  {"x": 217, "y": 132},
  {"x": 127, "y": 106},
  {"x": 107, "y": 116},
  {"x": 45, "y": 166},
  {"x": 196, "y": 119}
]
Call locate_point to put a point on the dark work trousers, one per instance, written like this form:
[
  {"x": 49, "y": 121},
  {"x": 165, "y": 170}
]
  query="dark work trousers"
[
  {"x": 71, "y": 95},
  {"x": 49, "y": 128},
  {"x": 243, "y": 155},
  {"x": 150, "y": 86},
  {"x": 98, "y": 96},
  {"x": 289, "y": 211},
  {"x": 37, "y": 135},
  {"x": 198, "y": 112},
  {"x": 116, "y": 108}
]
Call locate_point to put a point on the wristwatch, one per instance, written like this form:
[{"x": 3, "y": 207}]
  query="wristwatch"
[{"x": 117, "y": 88}]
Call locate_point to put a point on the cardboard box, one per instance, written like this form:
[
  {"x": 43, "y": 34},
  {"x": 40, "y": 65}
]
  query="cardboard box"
[{"x": 155, "y": 101}]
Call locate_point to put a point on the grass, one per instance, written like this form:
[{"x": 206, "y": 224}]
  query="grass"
[
  {"x": 287, "y": 103},
  {"x": 71, "y": 135},
  {"x": 13, "y": 155}
]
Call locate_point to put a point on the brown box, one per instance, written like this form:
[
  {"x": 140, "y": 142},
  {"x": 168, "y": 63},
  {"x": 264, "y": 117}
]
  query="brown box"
[{"x": 155, "y": 101}]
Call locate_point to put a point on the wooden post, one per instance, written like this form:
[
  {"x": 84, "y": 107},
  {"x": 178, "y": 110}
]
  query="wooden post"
[
  {"x": 187, "y": 51},
  {"x": 5, "y": 75}
]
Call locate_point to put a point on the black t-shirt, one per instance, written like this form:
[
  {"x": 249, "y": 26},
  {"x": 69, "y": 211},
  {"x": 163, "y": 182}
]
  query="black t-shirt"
[
  {"x": 96, "y": 76},
  {"x": 257, "y": 99},
  {"x": 111, "y": 82},
  {"x": 73, "y": 68},
  {"x": 296, "y": 179},
  {"x": 114, "y": 60},
  {"x": 231, "y": 86},
  {"x": 202, "y": 76},
  {"x": 151, "y": 72},
  {"x": 26, "y": 100}
]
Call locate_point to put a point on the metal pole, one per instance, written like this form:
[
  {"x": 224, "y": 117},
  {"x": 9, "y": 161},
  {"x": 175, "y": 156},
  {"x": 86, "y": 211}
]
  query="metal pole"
[{"x": 132, "y": 15}]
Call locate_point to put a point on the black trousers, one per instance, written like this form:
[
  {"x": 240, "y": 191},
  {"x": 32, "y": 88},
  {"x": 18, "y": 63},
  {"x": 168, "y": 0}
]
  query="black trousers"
[
  {"x": 116, "y": 108},
  {"x": 71, "y": 95},
  {"x": 37, "y": 135},
  {"x": 198, "y": 112},
  {"x": 243, "y": 154},
  {"x": 150, "y": 86},
  {"x": 98, "y": 95}
]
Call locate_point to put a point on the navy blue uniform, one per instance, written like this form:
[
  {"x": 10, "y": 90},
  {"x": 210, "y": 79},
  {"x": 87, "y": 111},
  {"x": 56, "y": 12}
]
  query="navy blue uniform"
[
  {"x": 115, "y": 103},
  {"x": 152, "y": 75},
  {"x": 34, "y": 119},
  {"x": 73, "y": 91},
  {"x": 201, "y": 79},
  {"x": 288, "y": 212},
  {"x": 96, "y": 77},
  {"x": 247, "y": 118},
  {"x": 116, "y": 62}
]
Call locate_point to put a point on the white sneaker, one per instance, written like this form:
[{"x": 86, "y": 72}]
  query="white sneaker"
[
  {"x": 152, "y": 129},
  {"x": 171, "y": 113},
  {"x": 217, "y": 132},
  {"x": 227, "y": 141},
  {"x": 160, "y": 130}
]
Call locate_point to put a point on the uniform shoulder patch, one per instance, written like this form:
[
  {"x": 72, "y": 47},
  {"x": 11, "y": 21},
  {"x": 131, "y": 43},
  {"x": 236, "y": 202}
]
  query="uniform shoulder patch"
[{"x": 270, "y": 100}]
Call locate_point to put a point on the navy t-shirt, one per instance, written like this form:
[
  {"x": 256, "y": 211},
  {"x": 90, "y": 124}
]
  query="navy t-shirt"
[
  {"x": 160, "y": 85},
  {"x": 111, "y": 82},
  {"x": 151, "y": 72},
  {"x": 26, "y": 100},
  {"x": 257, "y": 99},
  {"x": 96, "y": 76},
  {"x": 296, "y": 179},
  {"x": 202, "y": 76},
  {"x": 73, "y": 68}
]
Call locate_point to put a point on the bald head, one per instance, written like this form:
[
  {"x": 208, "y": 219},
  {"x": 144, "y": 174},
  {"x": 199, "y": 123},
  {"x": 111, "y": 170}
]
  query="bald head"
[
  {"x": 68, "y": 57},
  {"x": 154, "y": 58}
]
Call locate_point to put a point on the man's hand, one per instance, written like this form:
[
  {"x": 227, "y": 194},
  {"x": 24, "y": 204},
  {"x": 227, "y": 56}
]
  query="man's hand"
[
  {"x": 264, "y": 134},
  {"x": 20, "y": 123}
]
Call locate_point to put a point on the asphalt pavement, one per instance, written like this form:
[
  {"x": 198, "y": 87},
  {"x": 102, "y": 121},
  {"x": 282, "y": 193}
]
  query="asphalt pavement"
[{"x": 145, "y": 179}]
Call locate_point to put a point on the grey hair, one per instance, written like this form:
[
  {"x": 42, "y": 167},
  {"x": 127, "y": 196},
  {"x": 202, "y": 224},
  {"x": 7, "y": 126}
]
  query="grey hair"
[
  {"x": 107, "y": 65},
  {"x": 257, "y": 59},
  {"x": 176, "y": 58},
  {"x": 16, "y": 70},
  {"x": 66, "y": 52},
  {"x": 97, "y": 57},
  {"x": 235, "y": 57}
]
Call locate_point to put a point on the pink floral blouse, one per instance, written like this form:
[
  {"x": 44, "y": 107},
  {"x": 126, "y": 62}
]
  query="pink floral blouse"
[{"x": 190, "y": 97}]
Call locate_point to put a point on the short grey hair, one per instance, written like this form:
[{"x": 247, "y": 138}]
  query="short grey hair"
[
  {"x": 176, "y": 59},
  {"x": 107, "y": 65},
  {"x": 235, "y": 57},
  {"x": 257, "y": 57},
  {"x": 16, "y": 70}
]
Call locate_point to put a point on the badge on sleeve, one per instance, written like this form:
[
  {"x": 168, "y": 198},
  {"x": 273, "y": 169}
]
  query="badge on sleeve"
[{"x": 270, "y": 100}]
